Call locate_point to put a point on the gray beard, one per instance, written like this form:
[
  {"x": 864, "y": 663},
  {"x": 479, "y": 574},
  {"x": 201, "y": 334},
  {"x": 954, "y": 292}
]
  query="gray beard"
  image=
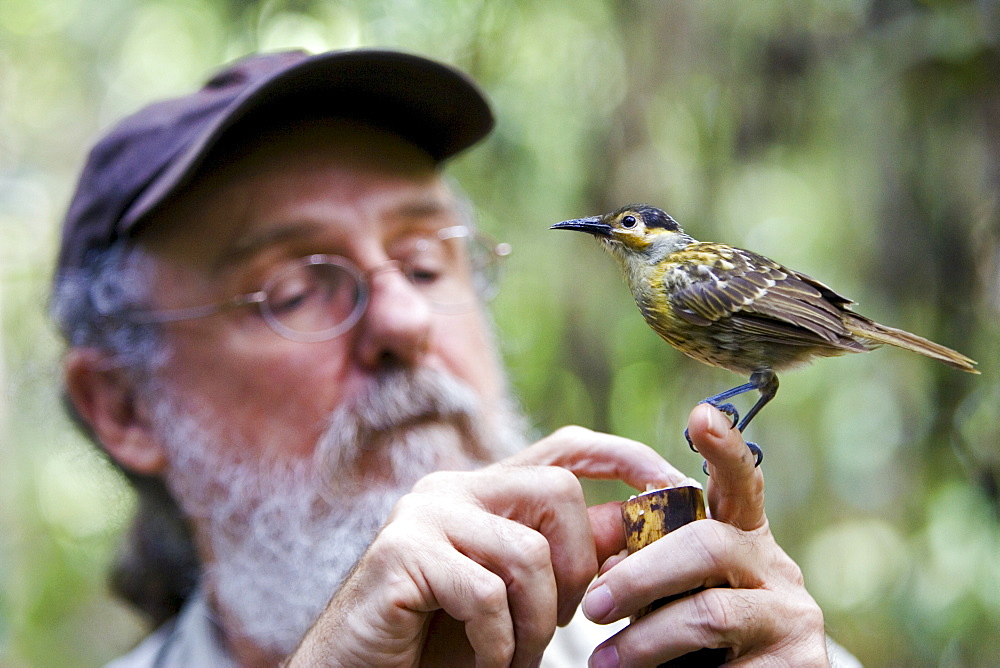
[{"x": 284, "y": 534}]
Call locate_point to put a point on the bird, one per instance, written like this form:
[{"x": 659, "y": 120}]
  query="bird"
[{"x": 736, "y": 309}]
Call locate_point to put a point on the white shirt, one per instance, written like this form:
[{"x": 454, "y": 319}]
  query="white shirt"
[{"x": 194, "y": 640}]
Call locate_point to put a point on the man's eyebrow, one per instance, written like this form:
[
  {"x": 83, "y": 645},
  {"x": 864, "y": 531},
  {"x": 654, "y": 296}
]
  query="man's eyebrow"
[
  {"x": 248, "y": 246},
  {"x": 423, "y": 207}
]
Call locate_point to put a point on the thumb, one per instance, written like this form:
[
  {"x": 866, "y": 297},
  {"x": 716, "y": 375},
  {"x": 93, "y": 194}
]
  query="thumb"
[
  {"x": 608, "y": 529},
  {"x": 735, "y": 486}
]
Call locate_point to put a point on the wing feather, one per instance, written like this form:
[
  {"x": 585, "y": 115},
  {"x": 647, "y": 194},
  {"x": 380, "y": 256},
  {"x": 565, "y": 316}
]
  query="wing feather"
[{"x": 773, "y": 302}]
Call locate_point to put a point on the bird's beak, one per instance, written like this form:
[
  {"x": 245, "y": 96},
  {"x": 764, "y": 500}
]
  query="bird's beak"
[{"x": 592, "y": 225}]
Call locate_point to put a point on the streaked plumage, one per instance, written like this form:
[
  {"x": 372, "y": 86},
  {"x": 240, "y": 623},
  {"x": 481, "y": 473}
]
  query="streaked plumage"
[{"x": 736, "y": 309}]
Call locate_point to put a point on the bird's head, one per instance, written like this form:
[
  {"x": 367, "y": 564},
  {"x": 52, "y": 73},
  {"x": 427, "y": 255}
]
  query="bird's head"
[{"x": 636, "y": 229}]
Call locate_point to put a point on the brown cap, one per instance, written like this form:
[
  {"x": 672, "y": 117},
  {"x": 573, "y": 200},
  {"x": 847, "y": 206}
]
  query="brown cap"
[{"x": 151, "y": 154}]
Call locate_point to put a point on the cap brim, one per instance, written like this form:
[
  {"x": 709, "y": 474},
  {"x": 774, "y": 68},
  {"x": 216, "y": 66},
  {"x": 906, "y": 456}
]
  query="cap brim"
[{"x": 436, "y": 107}]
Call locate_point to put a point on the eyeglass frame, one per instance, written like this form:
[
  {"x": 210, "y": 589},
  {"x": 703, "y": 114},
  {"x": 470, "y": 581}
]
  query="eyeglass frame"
[{"x": 362, "y": 278}]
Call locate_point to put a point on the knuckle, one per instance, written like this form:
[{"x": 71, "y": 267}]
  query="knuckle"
[
  {"x": 503, "y": 651},
  {"x": 412, "y": 510},
  {"x": 723, "y": 615},
  {"x": 489, "y": 594},
  {"x": 812, "y": 615},
  {"x": 434, "y": 481},
  {"x": 407, "y": 505},
  {"x": 572, "y": 432},
  {"x": 743, "y": 559},
  {"x": 393, "y": 542},
  {"x": 792, "y": 572},
  {"x": 714, "y": 541},
  {"x": 709, "y": 614},
  {"x": 532, "y": 549},
  {"x": 390, "y": 537},
  {"x": 561, "y": 483},
  {"x": 802, "y": 608}
]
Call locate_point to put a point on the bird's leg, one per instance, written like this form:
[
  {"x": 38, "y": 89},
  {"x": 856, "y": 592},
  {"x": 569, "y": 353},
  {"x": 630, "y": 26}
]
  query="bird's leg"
[
  {"x": 727, "y": 408},
  {"x": 767, "y": 384},
  {"x": 764, "y": 381}
]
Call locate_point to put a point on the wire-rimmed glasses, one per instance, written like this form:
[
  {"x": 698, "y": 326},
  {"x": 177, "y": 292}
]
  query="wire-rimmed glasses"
[{"x": 319, "y": 297}]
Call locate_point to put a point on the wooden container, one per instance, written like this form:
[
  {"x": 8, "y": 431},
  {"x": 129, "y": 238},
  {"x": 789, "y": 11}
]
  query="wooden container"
[{"x": 652, "y": 515}]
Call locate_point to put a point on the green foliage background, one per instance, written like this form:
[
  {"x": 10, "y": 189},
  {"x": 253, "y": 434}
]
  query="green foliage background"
[{"x": 857, "y": 141}]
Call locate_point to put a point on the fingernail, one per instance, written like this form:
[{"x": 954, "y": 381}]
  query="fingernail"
[
  {"x": 718, "y": 423},
  {"x": 597, "y": 604},
  {"x": 606, "y": 657},
  {"x": 669, "y": 474},
  {"x": 612, "y": 561}
]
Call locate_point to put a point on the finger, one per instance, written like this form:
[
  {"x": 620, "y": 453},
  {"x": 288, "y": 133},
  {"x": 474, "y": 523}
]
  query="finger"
[
  {"x": 547, "y": 499},
  {"x": 592, "y": 454},
  {"x": 437, "y": 577},
  {"x": 735, "y": 485},
  {"x": 516, "y": 553},
  {"x": 713, "y": 618},
  {"x": 477, "y": 597},
  {"x": 701, "y": 554},
  {"x": 608, "y": 529},
  {"x": 749, "y": 623},
  {"x": 556, "y": 508},
  {"x": 521, "y": 556}
]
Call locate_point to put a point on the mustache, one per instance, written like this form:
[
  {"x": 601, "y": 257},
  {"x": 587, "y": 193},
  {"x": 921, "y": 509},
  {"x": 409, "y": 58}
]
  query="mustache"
[
  {"x": 399, "y": 402},
  {"x": 399, "y": 397}
]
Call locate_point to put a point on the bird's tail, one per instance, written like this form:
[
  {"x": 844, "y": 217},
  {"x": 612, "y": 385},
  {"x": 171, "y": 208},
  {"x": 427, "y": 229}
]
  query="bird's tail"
[{"x": 877, "y": 334}]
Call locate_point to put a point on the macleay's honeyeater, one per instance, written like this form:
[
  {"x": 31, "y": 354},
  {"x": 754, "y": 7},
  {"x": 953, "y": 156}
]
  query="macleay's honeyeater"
[{"x": 735, "y": 309}]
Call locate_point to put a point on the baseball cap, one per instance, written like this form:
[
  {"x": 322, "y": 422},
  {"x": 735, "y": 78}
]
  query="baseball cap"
[{"x": 149, "y": 156}]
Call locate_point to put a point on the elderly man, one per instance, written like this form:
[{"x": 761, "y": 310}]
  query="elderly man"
[{"x": 273, "y": 304}]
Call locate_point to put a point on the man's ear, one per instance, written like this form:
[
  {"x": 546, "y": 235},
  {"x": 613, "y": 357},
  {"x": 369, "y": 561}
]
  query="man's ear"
[{"x": 106, "y": 399}]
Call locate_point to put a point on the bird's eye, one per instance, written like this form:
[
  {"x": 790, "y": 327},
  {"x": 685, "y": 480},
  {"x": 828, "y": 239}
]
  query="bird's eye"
[{"x": 628, "y": 221}]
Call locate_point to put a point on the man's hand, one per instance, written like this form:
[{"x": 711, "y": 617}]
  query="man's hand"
[
  {"x": 481, "y": 566},
  {"x": 755, "y": 602}
]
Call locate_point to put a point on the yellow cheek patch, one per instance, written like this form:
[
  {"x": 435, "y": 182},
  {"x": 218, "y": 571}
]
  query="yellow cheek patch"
[{"x": 635, "y": 242}]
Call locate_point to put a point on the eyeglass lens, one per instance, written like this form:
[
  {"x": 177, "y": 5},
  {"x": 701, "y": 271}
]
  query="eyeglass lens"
[
  {"x": 319, "y": 295},
  {"x": 322, "y": 296}
]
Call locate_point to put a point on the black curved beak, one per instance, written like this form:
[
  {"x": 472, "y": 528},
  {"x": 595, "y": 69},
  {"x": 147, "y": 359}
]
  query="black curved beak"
[{"x": 592, "y": 225}]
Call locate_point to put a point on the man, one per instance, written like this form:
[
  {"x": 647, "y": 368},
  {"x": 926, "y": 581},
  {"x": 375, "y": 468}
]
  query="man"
[{"x": 273, "y": 308}]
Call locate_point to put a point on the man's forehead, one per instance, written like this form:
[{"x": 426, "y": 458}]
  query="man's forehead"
[
  {"x": 298, "y": 180},
  {"x": 331, "y": 199},
  {"x": 382, "y": 213}
]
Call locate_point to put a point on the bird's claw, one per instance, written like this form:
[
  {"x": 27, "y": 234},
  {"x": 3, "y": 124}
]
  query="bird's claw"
[
  {"x": 757, "y": 452},
  {"x": 687, "y": 437},
  {"x": 726, "y": 408},
  {"x": 754, "y": 448}
]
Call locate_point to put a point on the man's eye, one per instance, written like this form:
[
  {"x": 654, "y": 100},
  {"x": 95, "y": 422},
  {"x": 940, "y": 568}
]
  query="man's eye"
[
  {"x": 289, "y": 303},
  {"x": 423, "y": 275},
  {"x": 292, "y": 294},
  {"x": 430, "y": 261}
]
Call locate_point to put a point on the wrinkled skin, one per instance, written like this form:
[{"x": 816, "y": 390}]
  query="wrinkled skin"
[{"x": 508, "y": 551}]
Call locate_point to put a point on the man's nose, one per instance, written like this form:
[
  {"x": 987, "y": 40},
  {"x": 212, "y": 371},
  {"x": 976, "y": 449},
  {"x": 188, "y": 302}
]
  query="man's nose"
[{"x": 396, "y": 327}]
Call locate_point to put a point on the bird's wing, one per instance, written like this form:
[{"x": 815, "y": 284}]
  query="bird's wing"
[
  {"x": 774, "y": 302},
  {"x": 777, "y": 331}
]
